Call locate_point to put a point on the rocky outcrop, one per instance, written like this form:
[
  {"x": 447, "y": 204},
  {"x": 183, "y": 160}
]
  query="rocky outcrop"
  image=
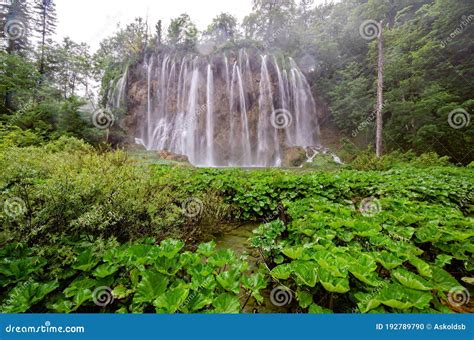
[
  {"x": 294, "y": 157},
  {"x": 169, "y": 156}
]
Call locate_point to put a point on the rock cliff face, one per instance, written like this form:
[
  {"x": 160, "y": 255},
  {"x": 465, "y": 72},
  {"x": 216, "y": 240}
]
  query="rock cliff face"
[{"x": 233, "y": 109}]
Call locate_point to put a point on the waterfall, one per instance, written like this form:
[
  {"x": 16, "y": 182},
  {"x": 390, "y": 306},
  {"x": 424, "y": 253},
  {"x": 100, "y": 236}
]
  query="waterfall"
[
  {"x": 266, "y": 147},
  {"x": 210, "y": 116},
  {"x": 237, "y": 109},
  {"x": 192, "y": 117}
]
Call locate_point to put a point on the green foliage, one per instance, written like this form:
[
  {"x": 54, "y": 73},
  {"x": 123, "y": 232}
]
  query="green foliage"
[
  {"x": 367, "y": 160},
  {"x": 130, "y": 278},
  {"x": 338, "y": 239},
  {"x": 366, "y": 261}
]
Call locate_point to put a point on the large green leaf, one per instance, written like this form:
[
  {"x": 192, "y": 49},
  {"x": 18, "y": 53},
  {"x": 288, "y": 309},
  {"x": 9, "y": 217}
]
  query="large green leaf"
[
  {"x": 226, "y": 303},
  {"x": 304, "y": 298},
  {"x": 293, "y": 253},
  {"x": 333, "y": 284},
  {"x": 422, "y": 267},
  {"x": 442, "y": 280},
  {"x": 282, "y": 272},
  {"x": 305, "y": 271},
  {"x": 222, "y": 257},
  {"x": 169, "y": 248},
  {"x": 21, "y": 268},
  {"x": 254, "y": 283},
  {"x": 388, "y": 260},
  {"x": 207, "y": 249},
  {"x": 170, "y": 301},
  {"x": 229, "y": 280},
  {"x": 316, "y": 309},
  {"x": 27, "y": 294},
  {"x": 197, "y": 300},
  {"x": 86, "y": 260},
  {"x": 105, "y": 270},
  {"x": 411, "y": 280},
  {"x": 151, "y": 286},
  {"x": 399, "y": 297}
]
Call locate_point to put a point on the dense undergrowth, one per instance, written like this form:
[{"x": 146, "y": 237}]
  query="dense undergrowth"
[{"x": 85, "y": 231}]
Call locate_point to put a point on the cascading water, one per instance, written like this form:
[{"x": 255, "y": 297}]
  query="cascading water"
[{"x": 227, "y": 110}]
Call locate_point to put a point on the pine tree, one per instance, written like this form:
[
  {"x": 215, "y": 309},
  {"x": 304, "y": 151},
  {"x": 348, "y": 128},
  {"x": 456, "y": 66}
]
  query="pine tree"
[
  {"x": 16, "y": 22},
  {"x": 46, "y": 18}
]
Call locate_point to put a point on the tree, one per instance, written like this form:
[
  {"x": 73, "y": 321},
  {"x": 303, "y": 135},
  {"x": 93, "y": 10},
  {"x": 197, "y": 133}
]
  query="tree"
[
  {"x": 182, "y": 32},
  {"x": 17, "y": 76},
  {"x": 71, "y": 66},
  {"x": 379, "y": 119},
  {"x": 271, "y": 20},
  {"x": 222, "y": 29},
  {"x": 46, "y": 16},
  {"x": 159, "y": 33},
  {"x": 16, "y": 27}
]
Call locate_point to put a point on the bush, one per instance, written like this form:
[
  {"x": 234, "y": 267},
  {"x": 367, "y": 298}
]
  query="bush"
[{"x": 367, "y": 160}]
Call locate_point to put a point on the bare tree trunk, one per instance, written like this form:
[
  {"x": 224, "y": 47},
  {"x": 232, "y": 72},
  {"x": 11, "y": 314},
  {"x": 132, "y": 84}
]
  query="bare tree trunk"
[
  {"x": 43, "y": 43},
  {"x": 379, "y": 120}
]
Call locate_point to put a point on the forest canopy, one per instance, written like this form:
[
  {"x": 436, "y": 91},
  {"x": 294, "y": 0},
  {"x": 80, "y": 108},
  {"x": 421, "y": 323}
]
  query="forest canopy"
[{"x": 428, "y": 46}]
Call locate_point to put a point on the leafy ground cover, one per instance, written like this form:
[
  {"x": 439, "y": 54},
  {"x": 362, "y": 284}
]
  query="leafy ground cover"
[{"x": 88, "y": 231}]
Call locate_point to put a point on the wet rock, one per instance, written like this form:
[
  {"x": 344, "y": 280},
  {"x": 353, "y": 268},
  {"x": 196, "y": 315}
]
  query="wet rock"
[
  {"x": 169, "y": 156},
  {"x": 294, "y": 157}
]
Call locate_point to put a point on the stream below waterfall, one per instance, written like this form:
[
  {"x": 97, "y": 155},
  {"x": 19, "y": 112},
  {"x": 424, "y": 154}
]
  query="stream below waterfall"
[{"x": 237, "y": 239}]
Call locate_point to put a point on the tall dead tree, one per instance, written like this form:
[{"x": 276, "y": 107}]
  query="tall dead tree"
[{"x": 379, "y": 109}]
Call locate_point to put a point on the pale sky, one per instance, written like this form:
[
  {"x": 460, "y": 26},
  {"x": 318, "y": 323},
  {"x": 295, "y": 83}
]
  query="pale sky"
[{"x": 91, "y": 21}]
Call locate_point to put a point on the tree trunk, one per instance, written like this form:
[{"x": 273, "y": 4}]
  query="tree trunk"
[
  {"x": 43, "y": 43},
  {"x": 379, "y": 120}
]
